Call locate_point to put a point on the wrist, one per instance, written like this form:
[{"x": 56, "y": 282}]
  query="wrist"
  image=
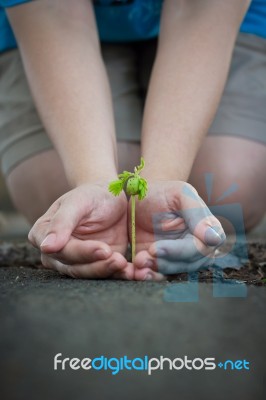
[
  {"x": 91, "y": 174},
  {"x": 97, "y": 179},
  {"x": 166, "y": 160},
  {"x": 162, "y": 171}
]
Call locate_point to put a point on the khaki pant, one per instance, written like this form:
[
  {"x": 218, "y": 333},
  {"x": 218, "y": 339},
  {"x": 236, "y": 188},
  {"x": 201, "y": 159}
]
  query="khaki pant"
[{"x": 242, "y": 110}]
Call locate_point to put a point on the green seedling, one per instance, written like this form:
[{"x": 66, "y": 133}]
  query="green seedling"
[{"x": 133, "y": 185}]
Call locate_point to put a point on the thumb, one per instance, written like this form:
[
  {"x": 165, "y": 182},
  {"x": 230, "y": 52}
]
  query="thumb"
[
  {"x": 60, "y": 229},
  {"x": 210, "y": 235},
  {"x": 201, "y": 222}
]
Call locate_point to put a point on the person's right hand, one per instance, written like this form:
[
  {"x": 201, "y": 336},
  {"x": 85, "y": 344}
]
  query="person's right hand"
[
  {"x": 84, "y": 234},
  {"x": 176, "y": 232}
]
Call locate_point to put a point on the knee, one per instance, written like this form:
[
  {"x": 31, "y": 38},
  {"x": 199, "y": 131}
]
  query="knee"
[
  {"x": 243, "y": 200},
  {"x": 36, "y": 183}
]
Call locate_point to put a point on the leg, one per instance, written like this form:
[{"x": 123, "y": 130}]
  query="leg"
[
  {"x": 235, "y": 150},
  {"x": 33, "y": 170},
  {"x": 234, "y": 160},
  {"x": 36, "y": 183}
]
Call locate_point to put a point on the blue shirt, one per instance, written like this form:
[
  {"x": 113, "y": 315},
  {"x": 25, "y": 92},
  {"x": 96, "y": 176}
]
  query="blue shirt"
[{"x": 132, "y": 20}]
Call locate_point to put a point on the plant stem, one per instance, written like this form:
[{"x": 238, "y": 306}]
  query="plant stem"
[{"x": 133, "y": 227}]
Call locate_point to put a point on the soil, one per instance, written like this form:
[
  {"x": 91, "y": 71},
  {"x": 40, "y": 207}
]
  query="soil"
[
  {"x": 250, "y": 271},
  {"x": 43, "y": 313}
]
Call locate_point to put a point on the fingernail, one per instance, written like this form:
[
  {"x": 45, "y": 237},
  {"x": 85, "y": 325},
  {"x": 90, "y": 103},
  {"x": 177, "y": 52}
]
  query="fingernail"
[
  {"x": 214, "y": 236},
  {"x": 160, "y": 253},
  {"x": 49, "y": 240},
  {"x": 148, "y": 277},
  {"x": 102, "y": 254}
]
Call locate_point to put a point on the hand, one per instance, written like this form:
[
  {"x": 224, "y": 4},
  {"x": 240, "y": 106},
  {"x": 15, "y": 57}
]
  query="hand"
[
  {"x": 84, "y": 234},
  {"x": 175, "y": 231}
]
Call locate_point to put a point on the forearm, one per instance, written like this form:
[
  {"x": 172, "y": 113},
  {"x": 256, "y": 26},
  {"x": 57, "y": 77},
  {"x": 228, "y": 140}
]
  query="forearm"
[
  {"x": 61, "y": 55},
  {"x": 194, "y": 53}
]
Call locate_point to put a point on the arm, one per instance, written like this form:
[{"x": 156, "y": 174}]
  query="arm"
[
  {"x": 195, "y": 47},
  {"x": 60, "y": 49},
  {"x": 84, "y": 232},
  {"x": 189, "y": 74}
]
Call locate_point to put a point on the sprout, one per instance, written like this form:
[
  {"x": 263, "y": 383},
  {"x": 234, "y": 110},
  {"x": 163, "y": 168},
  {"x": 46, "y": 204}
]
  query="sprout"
[{"x": 133, "y": 185}]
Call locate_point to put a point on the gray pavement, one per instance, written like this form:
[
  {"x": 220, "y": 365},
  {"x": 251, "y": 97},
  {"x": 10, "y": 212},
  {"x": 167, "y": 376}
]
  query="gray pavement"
[{"x": 43, "y": 313}]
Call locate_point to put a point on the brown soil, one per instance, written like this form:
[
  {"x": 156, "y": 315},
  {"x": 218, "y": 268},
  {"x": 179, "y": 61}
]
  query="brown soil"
[{"x": 251, "y": 272}]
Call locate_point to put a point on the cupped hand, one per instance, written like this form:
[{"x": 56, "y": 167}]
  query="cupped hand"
[
  {"x": 175, "y": 231},
  {"x": 84, "y": 234}
]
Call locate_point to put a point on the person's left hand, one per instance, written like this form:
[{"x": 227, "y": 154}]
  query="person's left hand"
[{"x": 175, "y": 231}]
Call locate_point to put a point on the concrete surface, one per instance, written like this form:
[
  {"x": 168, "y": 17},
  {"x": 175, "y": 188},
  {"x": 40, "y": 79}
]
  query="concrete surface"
[{"x": 43, "y": 313}]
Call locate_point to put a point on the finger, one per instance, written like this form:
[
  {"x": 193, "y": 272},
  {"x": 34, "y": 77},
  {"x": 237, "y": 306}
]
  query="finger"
[
  {"x": 52, "y": 236},
  {"x": 170, "y": 267},
  {"x": 142, "y": 273},
  {"x": 125, "y": 274},
  {"x": 96, "y": 270},
  {"x": 190, "y": 248},
  {"x": 41, "y": 224},
  {"x": 78, "y": 251},
  {"x": 146, "y": 274},
  {"x": 144, "y": 259},
  {"x": 201, "y": 222}
]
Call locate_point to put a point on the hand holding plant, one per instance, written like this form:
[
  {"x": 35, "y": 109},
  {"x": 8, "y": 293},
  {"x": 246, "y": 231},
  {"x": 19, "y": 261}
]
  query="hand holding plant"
[
  {"x": 176, "y": 231},
  {"x": 185, "y": 239},
  {"x": 84, "y": 234}
]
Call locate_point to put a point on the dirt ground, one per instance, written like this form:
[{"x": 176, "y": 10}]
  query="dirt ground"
[
  {"x": 252, "y": 271},
  {"x": 43, "y": 313}
]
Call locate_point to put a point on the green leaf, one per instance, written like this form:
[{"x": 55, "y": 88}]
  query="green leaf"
[
  {"x": 143, "y": 188},
  {"x": 124, "y": 176},
  {"x": 141, "y": 166},
  {"x": 139, "y": 188},
  {"x": 116, "y": 187},
  {"x": 143, "y": 183}
]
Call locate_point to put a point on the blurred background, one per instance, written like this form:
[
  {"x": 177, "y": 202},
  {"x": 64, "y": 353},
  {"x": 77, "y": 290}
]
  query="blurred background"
[{"x": 12, "y": 224}]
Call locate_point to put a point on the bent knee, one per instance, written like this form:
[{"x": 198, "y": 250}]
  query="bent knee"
[
  {"x": 244, "y": 201},
  {"x": 36, "y": 183}
]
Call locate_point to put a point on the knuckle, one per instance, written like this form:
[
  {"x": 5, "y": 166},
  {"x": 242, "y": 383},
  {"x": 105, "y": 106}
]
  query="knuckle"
[{"x": 31, "y": 237}]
